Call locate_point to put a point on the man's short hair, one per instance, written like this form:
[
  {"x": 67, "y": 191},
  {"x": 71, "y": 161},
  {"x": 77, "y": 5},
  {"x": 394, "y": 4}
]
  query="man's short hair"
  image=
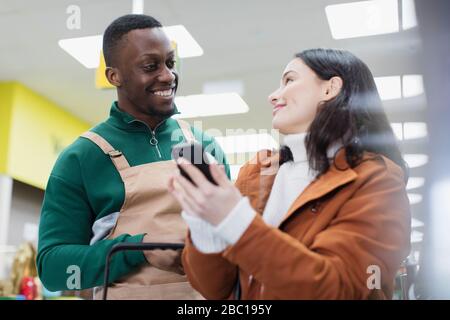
[{"x": 119, "y": 28}]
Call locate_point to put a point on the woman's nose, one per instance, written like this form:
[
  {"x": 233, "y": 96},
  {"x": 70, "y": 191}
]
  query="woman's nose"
[{"x": 273, "y": 98}]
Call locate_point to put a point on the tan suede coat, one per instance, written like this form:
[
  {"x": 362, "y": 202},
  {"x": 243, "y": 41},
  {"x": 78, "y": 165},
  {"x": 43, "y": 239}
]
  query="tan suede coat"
[{"x": 340, "y": 231}]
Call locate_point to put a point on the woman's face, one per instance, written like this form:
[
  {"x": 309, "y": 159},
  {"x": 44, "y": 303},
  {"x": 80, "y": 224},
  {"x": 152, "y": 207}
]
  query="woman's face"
[{"x": 295, "y": 102}]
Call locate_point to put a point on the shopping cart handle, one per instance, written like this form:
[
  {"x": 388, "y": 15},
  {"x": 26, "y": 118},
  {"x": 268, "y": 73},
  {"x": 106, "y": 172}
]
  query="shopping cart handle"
[{"x": 140, "y": 246}]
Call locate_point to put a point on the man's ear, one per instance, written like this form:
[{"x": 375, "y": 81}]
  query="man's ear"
[
  {"x": 332, "y": 88},
  {"x": 113, "y": 76}
]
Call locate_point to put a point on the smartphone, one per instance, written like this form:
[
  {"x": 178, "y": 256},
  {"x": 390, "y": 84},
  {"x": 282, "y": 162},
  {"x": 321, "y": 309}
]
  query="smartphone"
[{"x": 195, "y": 154}]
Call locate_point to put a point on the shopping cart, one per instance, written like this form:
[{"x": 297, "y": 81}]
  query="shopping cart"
[{"x": 142, "y": 246}]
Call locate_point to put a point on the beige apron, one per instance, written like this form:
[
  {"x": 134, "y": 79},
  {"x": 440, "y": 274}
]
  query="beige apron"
[{"x": 149, "y": 208}]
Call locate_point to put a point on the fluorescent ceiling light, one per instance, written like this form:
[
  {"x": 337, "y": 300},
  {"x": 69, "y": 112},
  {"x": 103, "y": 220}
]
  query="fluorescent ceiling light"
[
  {"x": 414, "y": 198},
  {"x": 409, "y": 130},
  {"x": 364, "y": 18},
  {"x": 415, "y": 223},
  {"x": 416, "y": 236},
  {"x": 415, "y": 182},
  {"x": 416, "y": 160},
  {"x": 187, "y": 46},
  {"x": 368, "y": 18},
  {"x": 205, "y": 105},
  {"x": 396, "y": 87},
  {"x": 409, "y": 18},
  {"x": 389, "y": 87},
  {"x": 414, "y": 130},
  {"x": 247, "y": 143},
  {"x": 86, "y": 50},
  {"x": 397, "y": 127},
  {"x": 212, "y": 87},
  {"x": 412, "y": 85}
]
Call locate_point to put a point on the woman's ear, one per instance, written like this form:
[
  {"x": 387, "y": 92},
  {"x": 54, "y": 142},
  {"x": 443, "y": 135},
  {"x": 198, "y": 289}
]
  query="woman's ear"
[
  {"x": 113, "y": 76},
  {"x": 332, "y": 88}
]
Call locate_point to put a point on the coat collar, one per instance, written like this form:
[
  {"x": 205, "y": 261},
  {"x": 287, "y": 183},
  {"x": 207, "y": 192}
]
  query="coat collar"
[{"x": 337, "y": 175}]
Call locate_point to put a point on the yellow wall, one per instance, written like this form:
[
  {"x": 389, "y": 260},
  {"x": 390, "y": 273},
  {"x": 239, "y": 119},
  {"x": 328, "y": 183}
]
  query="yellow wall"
[
  {"x": 39, "y": 129},
  {"x": 6, "y": 93}
]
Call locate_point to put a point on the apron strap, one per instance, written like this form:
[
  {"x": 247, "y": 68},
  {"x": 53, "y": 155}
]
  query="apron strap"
[
  {"x": 117, "y": 157},
  {"x": 186, "y": 129}
]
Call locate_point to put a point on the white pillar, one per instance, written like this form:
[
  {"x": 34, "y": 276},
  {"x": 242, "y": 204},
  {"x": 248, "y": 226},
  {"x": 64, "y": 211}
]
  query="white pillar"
[{"x": 5, "y": 207}]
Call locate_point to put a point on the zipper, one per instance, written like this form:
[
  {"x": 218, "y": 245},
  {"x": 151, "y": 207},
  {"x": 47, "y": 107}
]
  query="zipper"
[{"x": 153, "y": 140}]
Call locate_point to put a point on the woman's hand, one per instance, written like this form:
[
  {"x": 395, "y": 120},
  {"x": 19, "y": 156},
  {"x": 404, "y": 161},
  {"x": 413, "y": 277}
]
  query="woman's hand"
[{"x": 205, "y": 200}]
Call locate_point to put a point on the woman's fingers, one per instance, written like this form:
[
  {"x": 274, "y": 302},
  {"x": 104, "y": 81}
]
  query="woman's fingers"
[
  {"x": 186, "y": 194},
  {"x": 195, "y": 174},
  {"x": 184, "y": 202},
  {"x": 219, "y": 175},
  {"x": 188, "y": 189},
  {"x": 170, "y": 185},
  {"x": 191, "y": 207}
]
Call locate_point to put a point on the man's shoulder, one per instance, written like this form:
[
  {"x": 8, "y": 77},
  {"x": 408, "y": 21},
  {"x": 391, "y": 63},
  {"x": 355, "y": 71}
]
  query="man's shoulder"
[
  {"x": 76, "y": 153},
  {"x": 82, "y": 146}
]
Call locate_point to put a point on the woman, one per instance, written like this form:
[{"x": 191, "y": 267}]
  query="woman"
[{"x": 332, "y": 222}]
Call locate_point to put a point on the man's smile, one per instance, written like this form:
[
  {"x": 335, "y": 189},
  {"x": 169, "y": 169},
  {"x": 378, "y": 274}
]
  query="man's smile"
[{"x": 166, "y": 93}]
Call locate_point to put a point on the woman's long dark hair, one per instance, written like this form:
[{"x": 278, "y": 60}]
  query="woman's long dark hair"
[{"x": 355, "y": 117}]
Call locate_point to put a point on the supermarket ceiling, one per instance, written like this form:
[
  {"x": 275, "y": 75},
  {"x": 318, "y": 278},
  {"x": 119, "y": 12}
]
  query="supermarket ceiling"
[{"x": 248, "y": 41}]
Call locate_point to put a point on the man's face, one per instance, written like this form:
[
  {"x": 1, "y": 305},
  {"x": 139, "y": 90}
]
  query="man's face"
[{"x": 146, "y": 63}]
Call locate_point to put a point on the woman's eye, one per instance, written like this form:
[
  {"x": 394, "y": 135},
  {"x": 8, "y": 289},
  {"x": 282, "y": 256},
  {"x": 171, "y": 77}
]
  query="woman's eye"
[{"x": 288, "y": 80}]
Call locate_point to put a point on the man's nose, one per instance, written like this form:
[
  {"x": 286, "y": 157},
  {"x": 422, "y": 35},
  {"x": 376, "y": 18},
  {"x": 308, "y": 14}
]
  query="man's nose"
[{"x": 167, "y": 75}]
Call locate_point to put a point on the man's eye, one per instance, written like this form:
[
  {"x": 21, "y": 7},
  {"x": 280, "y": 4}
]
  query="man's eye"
[
  {"x": 171, "y": 64},
  {"x": 150, "y": 67}
]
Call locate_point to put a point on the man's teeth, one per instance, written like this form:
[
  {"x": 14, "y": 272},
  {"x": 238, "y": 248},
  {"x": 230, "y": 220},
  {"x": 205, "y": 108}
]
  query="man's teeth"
[{"x": 164, "y": 93}]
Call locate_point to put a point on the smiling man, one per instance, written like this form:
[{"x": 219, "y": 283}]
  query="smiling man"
[{"x": 110, "y": 185}]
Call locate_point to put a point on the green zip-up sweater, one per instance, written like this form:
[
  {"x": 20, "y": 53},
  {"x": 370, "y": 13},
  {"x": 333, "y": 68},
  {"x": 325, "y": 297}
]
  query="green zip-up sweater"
[{"x": 85, "y": 186}]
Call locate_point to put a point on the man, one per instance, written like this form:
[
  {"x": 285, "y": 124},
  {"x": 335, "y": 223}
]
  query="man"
[{"x": 110, "y": 185}]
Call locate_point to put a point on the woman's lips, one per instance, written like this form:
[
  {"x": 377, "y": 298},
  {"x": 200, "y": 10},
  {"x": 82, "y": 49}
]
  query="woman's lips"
[{"x": 276, "y": 108}]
